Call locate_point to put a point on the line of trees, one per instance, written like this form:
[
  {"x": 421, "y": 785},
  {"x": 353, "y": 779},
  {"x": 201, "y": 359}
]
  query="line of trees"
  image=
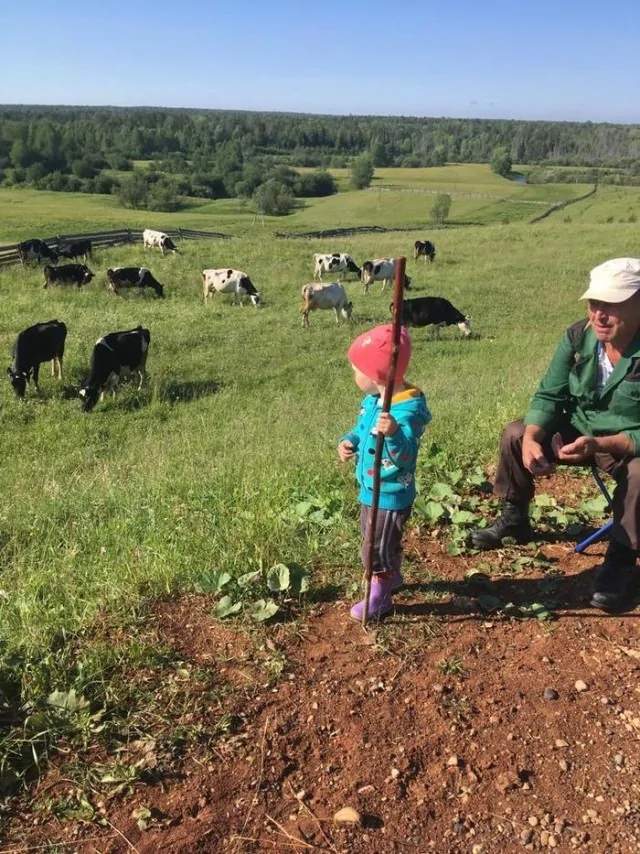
[{"x": 228, "y": 154}]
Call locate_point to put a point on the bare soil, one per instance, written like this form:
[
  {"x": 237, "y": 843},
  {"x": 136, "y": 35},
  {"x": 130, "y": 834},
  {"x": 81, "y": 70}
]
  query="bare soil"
[{"x": 433, "y": 726}]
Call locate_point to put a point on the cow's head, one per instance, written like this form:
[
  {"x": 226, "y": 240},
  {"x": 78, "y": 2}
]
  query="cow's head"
[
  {"x": 167, "y": 243},
  {"x": 89, "y": 396},
  {"x": 347, "y": 308},
  {"x": 407, "y": 282},
  {"x": 256, "y": 299},
  {"x": 366, "y": 272},
  {"x": 18, "y": 381},
  {"x": 87, "y": 275},
  {"x": 465, "y": 326},
  {"x": 157, "y": 287}
]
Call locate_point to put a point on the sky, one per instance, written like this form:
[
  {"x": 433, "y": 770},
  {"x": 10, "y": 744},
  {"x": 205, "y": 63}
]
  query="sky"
[{"x": 562, "y": 60}]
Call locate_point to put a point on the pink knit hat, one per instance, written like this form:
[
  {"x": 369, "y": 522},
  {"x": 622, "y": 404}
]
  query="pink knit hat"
[{"x": 371, "y": 353}]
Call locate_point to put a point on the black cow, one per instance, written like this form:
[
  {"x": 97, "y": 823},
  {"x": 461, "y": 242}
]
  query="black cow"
[
  {"x": 42, "y": 342},
  {"x": 67, "y": 274},
  {"x": 115, "y": 355},
  {"x": 424, "y": 248},
  {"x": 35, "y": 250},
  {"x": 133, "y": 277},
  {"x": 437, "y": 311},
  {"x": 75, "y": 249}
]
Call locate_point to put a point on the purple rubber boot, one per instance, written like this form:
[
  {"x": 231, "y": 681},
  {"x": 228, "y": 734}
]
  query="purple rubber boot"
[{"x": 380, "y": 602}]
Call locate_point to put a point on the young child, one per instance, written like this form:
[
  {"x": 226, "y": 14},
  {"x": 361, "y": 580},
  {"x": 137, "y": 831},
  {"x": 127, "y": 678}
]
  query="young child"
[{"x": 402, "y": 427}]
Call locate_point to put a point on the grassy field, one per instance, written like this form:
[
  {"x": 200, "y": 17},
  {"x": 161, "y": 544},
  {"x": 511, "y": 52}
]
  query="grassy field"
[{"x": 204, "y": 469}]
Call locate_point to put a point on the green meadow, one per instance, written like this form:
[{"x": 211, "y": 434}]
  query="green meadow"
[{"x": 204, "y": 468}]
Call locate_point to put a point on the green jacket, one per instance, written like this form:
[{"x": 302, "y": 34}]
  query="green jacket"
[{"x": 569, "y": 389}]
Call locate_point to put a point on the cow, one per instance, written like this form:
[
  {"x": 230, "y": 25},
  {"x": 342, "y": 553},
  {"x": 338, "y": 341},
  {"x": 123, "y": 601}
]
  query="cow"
[
  {"x": 133, "y": 277},
  {"x": 338, "y": 262},
  {"x": 437, "y": 311},
  {"x": 381, "y": 270},
  {"x": 116, "y": 354},
  {"x": 73, "y": 249},
  {"x": 227, "y": 281},
  {"x": 325, "y": 296},
  {"x": 424, "y": 248},
  {"x": 42, "y": 342},
  {"x": 36, "y": 250},
  {"x": 151, "y": 238},
  {"x": 67, "y": 274}
]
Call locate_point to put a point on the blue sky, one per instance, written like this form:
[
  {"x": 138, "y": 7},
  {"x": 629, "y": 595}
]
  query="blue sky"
[{"x": 564, "y": 60}]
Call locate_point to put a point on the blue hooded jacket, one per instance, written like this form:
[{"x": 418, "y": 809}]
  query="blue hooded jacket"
[{"x": 399, "y": 453}]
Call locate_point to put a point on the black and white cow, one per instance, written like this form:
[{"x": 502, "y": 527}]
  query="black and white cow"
[
  {"x": 324, "y": 297},
  {"x": 436, "y": 311},
  {"x": 151, "y": 238},
  {"x": 67, "y": 274},
  {"x": 75, "y": 249},
  {"x": 133, "y": 277},
  {"x": 337, "y": 262},
  {"x": 424, "y": 248},
  {"x": 114, "y": 356},
  {"x": 35, "y": 250},
  {"x": 228, "y": 281},
  {"x": 381, "y": 270},
  {"x": 43, "y": 342}
]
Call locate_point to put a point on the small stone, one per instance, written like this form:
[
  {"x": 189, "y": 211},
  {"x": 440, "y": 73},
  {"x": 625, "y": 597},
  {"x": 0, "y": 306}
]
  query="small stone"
[
  {"x": 619, "y": 760},
  {"x": 605, "y": 701},
  {"x": 533, "y": 820},
  {"x": 581, "y": 686},
  {"x": 477, "y": 849},
  {"x": 301, "y": 795},
  {"x": 453, "y": 761},
  {"x": 395, "y": 773},
  {"x": 347, "y": 815},
  {"x": 550, "y": 694},
  {"x": 560, "y": 742},
  {"x": 552, "y": 842},
  {"x": 564, "y": 765},
  {"x": 544, "y": 838},
  {"x": 364, "y": 789},
  {"x": 526, "y": 836}
]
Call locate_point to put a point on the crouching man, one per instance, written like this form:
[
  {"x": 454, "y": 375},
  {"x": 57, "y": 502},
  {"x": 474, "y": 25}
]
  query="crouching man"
[{"x": 586, "y": 410}]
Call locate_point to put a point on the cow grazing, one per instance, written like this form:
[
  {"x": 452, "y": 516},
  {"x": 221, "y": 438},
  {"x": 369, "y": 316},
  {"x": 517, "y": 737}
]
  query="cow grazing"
[
  {"x": 114, "y": 356},
  {"x": 227, "y": 281},
  {"x": 338, "y": 262},
  {"x": 42, "y": 342},
  {"x": 151, "y": 238},
  {"x": 67, "y": 274},
  {"x": 325, "y": 296},
  {"x": 133, "y": 277},
  {"x": 75, "y": 249},
  {"x": 436, "y": 311},
  {"x": 381, "y": 270},
  {"x": 424, "y": 248},
  {"x": 36, "y": 250}
]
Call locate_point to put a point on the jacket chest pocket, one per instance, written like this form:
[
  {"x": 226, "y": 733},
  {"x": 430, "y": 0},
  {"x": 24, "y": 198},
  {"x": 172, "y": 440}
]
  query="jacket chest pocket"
[{"x": 626, "y": 400}]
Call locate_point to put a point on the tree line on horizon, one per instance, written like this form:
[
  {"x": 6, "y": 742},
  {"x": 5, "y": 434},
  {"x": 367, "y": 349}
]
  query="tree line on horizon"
[{"x": 223, "y": 154}]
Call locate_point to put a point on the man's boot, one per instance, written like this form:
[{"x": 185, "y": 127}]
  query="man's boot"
[
  {"x": 615, "y": 580},
  {"x": 513, "y": 521}
]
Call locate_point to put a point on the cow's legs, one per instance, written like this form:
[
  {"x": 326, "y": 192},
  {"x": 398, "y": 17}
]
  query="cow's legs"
[
  {"x": 36, "y": 372},
  {"x": 59, "y": 361},
  {"x": 337, "y": 311}
]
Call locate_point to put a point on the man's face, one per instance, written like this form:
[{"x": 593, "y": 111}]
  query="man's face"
[{"x": 615, "y": 322}]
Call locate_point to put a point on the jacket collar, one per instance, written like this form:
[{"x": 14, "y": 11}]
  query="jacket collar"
[{"x": 622, "y": 368}]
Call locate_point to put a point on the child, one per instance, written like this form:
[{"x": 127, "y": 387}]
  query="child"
[{"x": 402, "y": 427}]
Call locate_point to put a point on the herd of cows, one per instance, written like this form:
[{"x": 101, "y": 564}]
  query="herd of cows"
[{"x": 118, "y": 354}]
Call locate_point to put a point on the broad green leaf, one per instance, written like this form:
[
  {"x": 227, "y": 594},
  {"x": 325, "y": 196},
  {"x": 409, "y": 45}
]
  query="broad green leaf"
[
  {"x": 67, "y": 701},
  {"x": 279, "y": 578},
  {"x": 463, "y": 517},
  {"x": 594, "y": 506},
  {"x": 263, "y": 609},
  {"x": 544, "y": 500},
  {"x": 248, "y": 578},
  {"x": 213, "y": 582},
  {"x": 226, "y": 607},
  {"x": 440, "y": 490},
  {"x": 431, "y": 510}
]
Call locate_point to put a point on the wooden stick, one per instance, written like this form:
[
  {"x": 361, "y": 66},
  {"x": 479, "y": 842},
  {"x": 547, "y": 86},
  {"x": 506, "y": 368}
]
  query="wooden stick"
[{"x": 377, "y": 460}]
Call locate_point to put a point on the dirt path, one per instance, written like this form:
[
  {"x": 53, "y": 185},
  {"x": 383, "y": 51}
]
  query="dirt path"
[{"x": 434, "y": 728}]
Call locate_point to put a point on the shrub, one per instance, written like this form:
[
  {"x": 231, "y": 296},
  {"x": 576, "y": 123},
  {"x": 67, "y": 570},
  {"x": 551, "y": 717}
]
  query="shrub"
[
  {"x": 83, "y": 168},
  {"x": 273, "y": 198},
  {"x": 163, "y": 196},
  {"x": 319, "y": 183},
  {"x": 440, "y": 208},
  {"x": 133, "y": 191},
  {"x": 501, "y": 161},
  {"x": 362, "y": 172}
]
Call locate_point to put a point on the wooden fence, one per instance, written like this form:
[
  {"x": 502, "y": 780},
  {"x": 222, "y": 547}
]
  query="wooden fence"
[{"x": 9, "y": 254}]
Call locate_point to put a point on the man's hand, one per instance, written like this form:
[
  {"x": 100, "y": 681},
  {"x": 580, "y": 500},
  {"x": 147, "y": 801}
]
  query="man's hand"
[
  {"x": 533, "y": 458},
  {"x": 346, "y": 451},
  {"x": 387, "y": 424},
  {"x": 578, "y": 452}
]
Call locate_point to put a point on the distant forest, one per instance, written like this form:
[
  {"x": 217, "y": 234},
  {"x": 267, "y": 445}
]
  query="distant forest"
[{"x": 226, "y": 154}]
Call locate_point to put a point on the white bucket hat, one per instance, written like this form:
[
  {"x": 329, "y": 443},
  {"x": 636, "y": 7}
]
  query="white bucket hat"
[{"x": 614, "y": 281}]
